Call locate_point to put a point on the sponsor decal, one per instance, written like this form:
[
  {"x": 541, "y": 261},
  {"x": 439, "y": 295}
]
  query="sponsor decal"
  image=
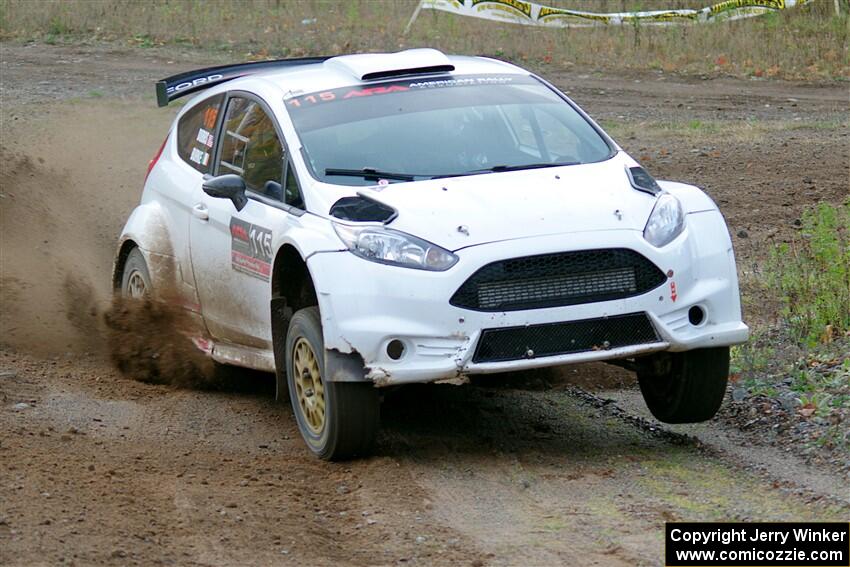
[
  {"x": 193, "y": 83},
  {"x": 737, "y": 4},
  {"x": 210, "y": 114},
  {"x": 203, "y": 136},
  {"x": 374, "y": 91},
  {"x": 552, "y": 14},
  {"x": 513, "y": 7},
  {"x": 329, "y": 96},
  {"x": 250, "y": 249},
  {"x": 662, "y": 17},
  {"x": 531, "y": 13},
  {"x": 463, "y": 82},
  {"x": 673, "y": 294},
  {"x": 348, "y": 93},
  {"x": 199, "y": 156}
]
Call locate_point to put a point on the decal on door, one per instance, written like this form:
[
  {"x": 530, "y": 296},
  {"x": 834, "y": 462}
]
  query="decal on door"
[{"x": 250, "y": 249}]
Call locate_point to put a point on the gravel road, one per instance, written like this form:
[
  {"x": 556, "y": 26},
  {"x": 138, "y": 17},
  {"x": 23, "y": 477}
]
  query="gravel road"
[{"x": 551, "y": 468}]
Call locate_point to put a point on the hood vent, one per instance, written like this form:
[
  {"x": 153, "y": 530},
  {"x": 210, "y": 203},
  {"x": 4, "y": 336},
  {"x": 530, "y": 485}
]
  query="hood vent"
[
  {"x": 362, "y": 209},
  {"x": 641, "y": 180}
]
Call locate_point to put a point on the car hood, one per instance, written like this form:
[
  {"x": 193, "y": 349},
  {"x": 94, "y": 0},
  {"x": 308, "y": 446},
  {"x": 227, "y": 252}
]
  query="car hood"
[{"x": 467, "y": 211}]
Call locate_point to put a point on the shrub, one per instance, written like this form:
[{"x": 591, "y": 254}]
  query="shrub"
[{"x": 812, "y": 275}]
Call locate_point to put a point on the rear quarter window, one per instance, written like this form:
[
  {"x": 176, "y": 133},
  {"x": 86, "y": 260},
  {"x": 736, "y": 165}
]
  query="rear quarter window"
[{"x": 196, "y": 133}]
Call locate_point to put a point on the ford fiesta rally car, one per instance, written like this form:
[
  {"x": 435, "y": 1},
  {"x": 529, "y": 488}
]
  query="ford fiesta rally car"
[{"x": 364, "y": 221}]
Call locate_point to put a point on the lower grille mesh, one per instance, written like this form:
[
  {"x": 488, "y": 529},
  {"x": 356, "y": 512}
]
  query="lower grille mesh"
[{"x": 552, "y": 339}]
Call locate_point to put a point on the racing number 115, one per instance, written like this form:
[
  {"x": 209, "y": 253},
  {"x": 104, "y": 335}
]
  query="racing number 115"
[
  {"x": 261, "y": 243},
  {"x": 326, "y": 96}
]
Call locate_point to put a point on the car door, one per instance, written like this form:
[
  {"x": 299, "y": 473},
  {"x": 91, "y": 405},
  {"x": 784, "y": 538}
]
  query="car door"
[
  {"x": 232, "y": 250},
  {"x": 176, "y": 183}
]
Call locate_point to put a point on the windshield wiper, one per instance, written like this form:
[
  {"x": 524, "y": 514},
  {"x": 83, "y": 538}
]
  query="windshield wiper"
[
  {"x": 501, "y": 168},
  {"x": 369, "y": 173}
]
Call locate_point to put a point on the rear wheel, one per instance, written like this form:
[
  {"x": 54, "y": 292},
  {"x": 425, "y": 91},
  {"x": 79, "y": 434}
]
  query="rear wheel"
[
  {"x": 338, "y": 420},
  {"x": 684, "y": 387},
  {"x": 136, "y": 280}
]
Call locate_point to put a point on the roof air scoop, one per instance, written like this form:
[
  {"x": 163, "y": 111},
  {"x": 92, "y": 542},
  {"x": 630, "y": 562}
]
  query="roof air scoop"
[{"x": 371, "y": 66}]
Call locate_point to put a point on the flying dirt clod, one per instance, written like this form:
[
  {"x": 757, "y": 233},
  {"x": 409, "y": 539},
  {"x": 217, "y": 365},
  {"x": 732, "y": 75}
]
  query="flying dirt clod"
[{"x": 148, "y": 341}]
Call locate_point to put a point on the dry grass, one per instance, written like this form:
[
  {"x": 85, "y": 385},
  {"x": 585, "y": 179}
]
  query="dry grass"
[
  {"x": 714, "y": 131},
  {"x": 809, "y": 42}
]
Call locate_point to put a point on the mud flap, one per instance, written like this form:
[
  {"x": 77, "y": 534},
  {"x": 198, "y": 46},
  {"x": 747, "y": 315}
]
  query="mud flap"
[
  {"x": 281, "y": 314},
  {"x": 344, "y": 367}
]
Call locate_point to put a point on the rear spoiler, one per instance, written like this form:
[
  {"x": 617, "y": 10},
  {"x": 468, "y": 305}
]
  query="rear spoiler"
[{"x": 192, "y": 81}]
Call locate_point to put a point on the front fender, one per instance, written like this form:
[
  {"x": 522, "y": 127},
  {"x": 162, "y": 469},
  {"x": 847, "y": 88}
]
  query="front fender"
[
  {"x": 309, "y": 234},
  {"x": 693, "y": 199}
]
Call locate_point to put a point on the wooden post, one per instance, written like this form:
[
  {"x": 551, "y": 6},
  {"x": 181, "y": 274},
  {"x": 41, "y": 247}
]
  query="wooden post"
[{"x": 415, "y": 14}]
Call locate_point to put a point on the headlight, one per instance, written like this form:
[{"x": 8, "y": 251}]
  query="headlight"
[
  {"x": 388, "y": 246},
  {"x": 666, "y": 221}
]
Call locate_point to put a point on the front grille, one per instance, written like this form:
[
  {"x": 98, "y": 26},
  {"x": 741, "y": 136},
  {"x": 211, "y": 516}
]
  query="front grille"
[
  {"x": 555, "y": 280},
  {"x": 551, "y": 339}
]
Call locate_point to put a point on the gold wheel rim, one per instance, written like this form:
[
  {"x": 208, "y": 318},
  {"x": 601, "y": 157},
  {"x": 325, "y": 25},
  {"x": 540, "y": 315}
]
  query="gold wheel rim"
[
  {"x": 308, "y": 385},
  {"x": 136, "y": 288}
]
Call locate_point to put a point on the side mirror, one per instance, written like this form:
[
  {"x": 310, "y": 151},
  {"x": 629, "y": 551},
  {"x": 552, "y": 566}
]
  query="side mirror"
[{"x": 229, "y": 186}]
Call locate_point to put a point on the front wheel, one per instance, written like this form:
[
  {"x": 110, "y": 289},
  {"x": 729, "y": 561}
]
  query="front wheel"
[
  {"x": 338, "y": 420},
  {"x": 684, "y": 387}
]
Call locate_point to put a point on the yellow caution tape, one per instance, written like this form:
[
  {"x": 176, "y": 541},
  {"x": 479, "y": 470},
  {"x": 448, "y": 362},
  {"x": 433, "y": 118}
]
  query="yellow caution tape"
[{"x": 532, "y": 14}]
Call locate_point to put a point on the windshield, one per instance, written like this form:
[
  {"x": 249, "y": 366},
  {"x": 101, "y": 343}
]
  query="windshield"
[{"x": 440, "y": 127}]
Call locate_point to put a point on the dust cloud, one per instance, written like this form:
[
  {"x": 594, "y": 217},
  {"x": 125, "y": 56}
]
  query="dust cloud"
[{"x": 64, "y": 194}]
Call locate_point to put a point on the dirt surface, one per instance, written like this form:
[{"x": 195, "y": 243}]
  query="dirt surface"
[{"x": 99, "y": 469}]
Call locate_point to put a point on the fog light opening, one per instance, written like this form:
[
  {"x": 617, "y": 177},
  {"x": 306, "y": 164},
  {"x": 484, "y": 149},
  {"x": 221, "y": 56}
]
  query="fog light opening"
[
  {"x": 696, "y": 315},
  {"x": 395, "y": 349}
]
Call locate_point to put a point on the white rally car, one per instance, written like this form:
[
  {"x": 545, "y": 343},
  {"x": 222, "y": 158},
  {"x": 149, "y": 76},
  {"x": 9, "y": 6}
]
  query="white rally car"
[{"x": 364, "y": 221}]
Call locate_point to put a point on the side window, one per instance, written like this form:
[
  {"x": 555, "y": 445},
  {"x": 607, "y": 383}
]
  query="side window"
[
  {"x": 292, "y": 192},
  {"x": 250, "y": 147},
  {"x": 195, "y": 133}
]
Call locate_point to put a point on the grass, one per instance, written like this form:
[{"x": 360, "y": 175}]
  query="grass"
[
  {"x": 806, "y": 355},
  {"x": 808, "y": 42},
  {"x": 713, "y": 130},
  {"x": 812, "y": 275},
  {"x": 697, "y": 490}
]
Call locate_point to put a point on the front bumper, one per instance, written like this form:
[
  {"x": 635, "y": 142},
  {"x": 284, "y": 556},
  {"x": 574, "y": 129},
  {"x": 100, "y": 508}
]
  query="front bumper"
[{"x": 365, "y": 305}]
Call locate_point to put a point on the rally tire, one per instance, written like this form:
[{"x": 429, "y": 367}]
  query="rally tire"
[
  {"x": 685, "y": 387},
  {"x": 351, "y": 410},
  {"x": 136, "y": 279}
]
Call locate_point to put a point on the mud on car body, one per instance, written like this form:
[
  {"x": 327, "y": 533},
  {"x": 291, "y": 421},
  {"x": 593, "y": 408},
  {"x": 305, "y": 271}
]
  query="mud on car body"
[{"x": 363, "y": 221}]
